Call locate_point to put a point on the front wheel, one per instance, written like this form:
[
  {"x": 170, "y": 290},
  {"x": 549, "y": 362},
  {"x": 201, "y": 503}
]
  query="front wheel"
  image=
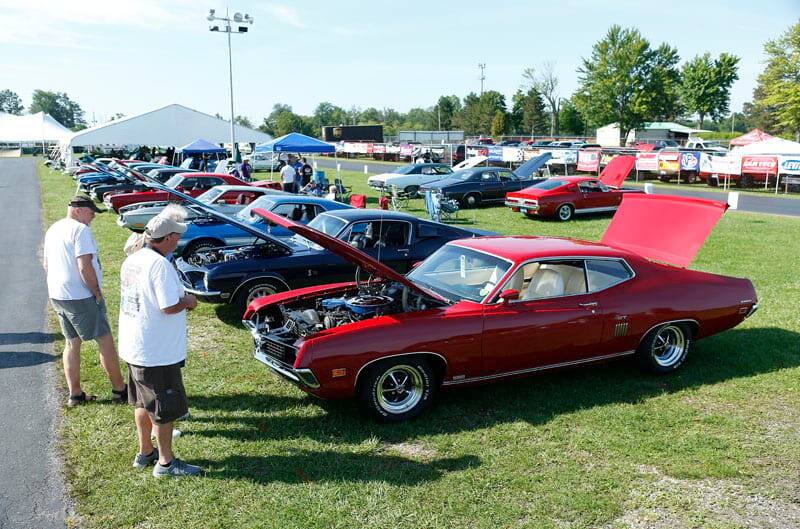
[
  {"x": 397, "y": 389},
  {"x": 665, "y": 348},
  {"x": 412, "y": 191},
  {"x": 258, "y": 289},
  {"x": 472, "y": 200}
]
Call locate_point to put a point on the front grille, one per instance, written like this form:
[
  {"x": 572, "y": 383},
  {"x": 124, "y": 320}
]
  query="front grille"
[{"x": 277, "y": 350}]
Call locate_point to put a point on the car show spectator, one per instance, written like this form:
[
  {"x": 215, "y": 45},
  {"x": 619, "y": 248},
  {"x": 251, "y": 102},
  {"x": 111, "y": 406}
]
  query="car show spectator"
[
  {"x": 75, "y": 289},
  {"x": 246, "y": 170},
  {"x": 135, "y": 241},
  {"x": 288, "y": 175},
  {"x": 306, "y": 172},
  {"x": 297, "y": 164},
  {"x": 311, "y": 188},
  {"x": 153, "y": 342}
]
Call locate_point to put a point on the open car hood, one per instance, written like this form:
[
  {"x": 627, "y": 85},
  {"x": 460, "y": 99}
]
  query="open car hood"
[
  {"x": 617, "y": 170},
  {"x": 348, "y": 252},
  {"x": 470, "y": 162},
  {"x": 255, "y": 232},
  {"x": 527, "y": 169},
  {"x": 664, "y": 228}
]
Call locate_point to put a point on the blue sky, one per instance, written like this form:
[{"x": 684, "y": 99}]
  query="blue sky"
[{"x": 131, "y": 56}]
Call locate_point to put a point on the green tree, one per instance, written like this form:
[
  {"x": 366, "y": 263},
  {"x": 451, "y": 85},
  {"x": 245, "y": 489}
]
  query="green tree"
[
  {"x": 243, "y": 121},
  {"x": 10, "y": 102},
  {"x": 623, "y": 80},
  {"x": 777, "y": 93},
  {"x": 499, "y": 123},
  {"x": 706, "y": 85},
  {"x": 60, "y": 106},
  {"x": 545, "y": 81},
  {"x": 445, "y": 111},
  {"x": 327, "y": 114},
  {"x": 570, "y": 121},
  {"x": 370, "y": 116},
  {"x": 528, "y": 114},
  {"x": 469, "y": 118},
  {"x": 270, "y": 123},
  {"x": 666, "y": 83},
  {"x": 287, "y": 121}
]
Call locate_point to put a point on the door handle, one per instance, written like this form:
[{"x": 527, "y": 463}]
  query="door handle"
[
  {"x": 588, "y": 304},
  {"x": 403, "y": 250}
]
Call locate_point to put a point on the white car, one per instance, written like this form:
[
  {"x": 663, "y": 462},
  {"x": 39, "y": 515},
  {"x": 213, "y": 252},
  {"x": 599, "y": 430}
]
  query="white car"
[
  {"x": 409, "y": 178},
  {"x": 265, "y": 161}
]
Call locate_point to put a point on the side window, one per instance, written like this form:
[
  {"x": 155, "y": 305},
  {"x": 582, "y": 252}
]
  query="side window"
[
  {"x": 428, "y": 170},
  {"x": 489, "y": 176},
  {"x": 188, "y": 183},
  {"x": 548, "y": 279},
  {"x": 505, "y": 176},
  {"x": 393, "y": 234},
  {"x": 290, "y": 211},
  {"x": 605, "y": 273},
  {"x": 443, "y": 170}
]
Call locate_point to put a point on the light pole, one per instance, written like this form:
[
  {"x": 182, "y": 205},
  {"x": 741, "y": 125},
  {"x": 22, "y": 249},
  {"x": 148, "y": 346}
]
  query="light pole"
[{"x": 238, "y": 24}]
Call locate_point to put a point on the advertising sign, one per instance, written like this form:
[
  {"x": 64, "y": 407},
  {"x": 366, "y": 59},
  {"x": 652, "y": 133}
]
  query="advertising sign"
[
  {"x": 790, "y": 165},
  {"x": 647, "y": 161},
  {"x": 495, "y": 153},
  {"x": 512, "y": 154},
  {"x": 669, "y": 162},
  {"x": 719, "y": 164},
  {"x": 690, "y": 161},
  {"x": 760, "y": 164},
  {"x": 406, "y": 150},
  {"x": 370, "y": 148},
  {"x": 379, "y": 148},
  {"x": 588, "y": 160}
]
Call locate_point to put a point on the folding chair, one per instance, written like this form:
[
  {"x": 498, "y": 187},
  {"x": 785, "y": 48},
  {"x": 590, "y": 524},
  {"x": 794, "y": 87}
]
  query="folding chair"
[
  {"x": 399, "y": 200},
  {"x": 447, "y": 208},
  {"x": 342, "y": 191}
]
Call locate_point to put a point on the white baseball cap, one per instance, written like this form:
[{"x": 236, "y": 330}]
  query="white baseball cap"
[{"x": 160, "y": 226}]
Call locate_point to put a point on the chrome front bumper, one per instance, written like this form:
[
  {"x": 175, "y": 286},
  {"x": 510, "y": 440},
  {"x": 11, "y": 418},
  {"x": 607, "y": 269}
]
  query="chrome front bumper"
[{"x": 303, "y": 378}]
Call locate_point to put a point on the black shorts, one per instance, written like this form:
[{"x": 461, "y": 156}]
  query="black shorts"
[{"x": 159, "y": 390}]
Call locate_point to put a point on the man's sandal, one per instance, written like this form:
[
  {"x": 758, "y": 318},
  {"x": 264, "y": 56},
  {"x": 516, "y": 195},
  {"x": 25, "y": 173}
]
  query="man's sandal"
[
  {"x": 121, "y": 396},
  {"x": 77, "y": 400}
]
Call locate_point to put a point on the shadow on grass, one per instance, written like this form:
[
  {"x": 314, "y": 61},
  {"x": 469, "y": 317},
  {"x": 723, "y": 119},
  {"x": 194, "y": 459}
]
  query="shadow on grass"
[
  {"x": 536, "y": 399},
  {"x": 333, "y": 466}
]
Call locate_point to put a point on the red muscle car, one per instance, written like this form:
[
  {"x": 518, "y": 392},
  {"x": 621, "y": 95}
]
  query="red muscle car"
[
  {"x": 566, "y": 196},
  {"x": 193, "y": 184},
  {"x": 491, "y": 308}
]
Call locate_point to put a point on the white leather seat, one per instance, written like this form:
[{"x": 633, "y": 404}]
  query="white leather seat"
[{"x": 545, "y": 283}]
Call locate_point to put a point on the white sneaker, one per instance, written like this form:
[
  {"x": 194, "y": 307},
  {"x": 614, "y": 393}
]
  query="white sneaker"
[{"x": 175, "y": 434}]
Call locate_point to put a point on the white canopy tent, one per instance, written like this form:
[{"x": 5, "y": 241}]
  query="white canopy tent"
[
  {"x": 770, "y": 146},
  {"x": 31, "y": 128},
  {"x": 172, "y": 125}
]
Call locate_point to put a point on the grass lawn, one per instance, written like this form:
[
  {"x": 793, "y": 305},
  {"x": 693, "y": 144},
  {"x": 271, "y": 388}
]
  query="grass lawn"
[{"x": 715, "y": 445}]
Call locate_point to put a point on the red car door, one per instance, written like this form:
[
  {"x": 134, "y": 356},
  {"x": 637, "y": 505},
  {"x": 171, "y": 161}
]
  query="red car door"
[
  {"x": 595, "y": 196},
  {"x": 554, "y": 322}
]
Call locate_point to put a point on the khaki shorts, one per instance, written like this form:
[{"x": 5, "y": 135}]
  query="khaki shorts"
[
  {"x": 84, "y": 318},
  {"x": 159, "y": 390}
]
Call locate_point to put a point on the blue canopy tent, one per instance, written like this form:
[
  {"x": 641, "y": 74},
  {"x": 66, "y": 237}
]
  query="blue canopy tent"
[
  {"x": 200, "y": 146},
  {"x": 294, "y": 142}
]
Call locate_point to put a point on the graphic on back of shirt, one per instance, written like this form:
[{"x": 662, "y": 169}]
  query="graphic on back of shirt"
[{"x": 129, "y": 301}]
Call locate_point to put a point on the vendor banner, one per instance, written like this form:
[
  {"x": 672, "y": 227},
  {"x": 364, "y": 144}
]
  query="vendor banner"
[
  {"x": 370, "y": 148},
  {"x": 690, "y": 161},
  {"x": 588, "y": 160},
  {"x": 495, "y": 154},
  {"x": 760, "y": 164},
  {"x": 720, "y": 164},
  {"x": 789, "y": 164},
  {"x": 647, "y": 161},
  {"x": 669, "y": 162},
  {"x": 406, "y": 150},
  {"x": 379, "y": 148},
  {"x": 512, "y": 154},
  {"x": 606, "y": 157}
]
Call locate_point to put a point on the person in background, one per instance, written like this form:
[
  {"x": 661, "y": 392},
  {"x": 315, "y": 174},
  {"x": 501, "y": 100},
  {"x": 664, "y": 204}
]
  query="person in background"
[
  {"x": 306, "y": 172},
  {"x": 297, "y": 165},
  {"x": 74, "y": 286},
  {"x": 311, "y": 188},
  {"x": 246, "y": 170},
  {"x": 287, "y": 176},
  {"x": 153, "y": 342}
]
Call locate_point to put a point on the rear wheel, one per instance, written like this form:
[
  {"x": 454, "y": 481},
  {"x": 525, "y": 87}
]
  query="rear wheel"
[
  {"x": 397, "y": 389},
  {"x": 565, "y": 212},
  {"x": 665, "y": 348}
]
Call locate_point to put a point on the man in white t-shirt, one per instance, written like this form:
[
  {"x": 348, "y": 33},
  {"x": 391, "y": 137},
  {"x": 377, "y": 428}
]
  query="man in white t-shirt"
[
  {"x": 152, "y": 340},
  {"x": 288, "y": 174},
  {"x": 74, "y": 286}
]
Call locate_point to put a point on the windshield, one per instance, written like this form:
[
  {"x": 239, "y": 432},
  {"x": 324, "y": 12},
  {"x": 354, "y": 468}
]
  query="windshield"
[
  {"x": 246, "y": 215},
  {"x": 210, "y": 196},
  {"x": 457, "y": 273},
  {"x": 464, "y": 174},
  {"x": 404, "y": 169},
  {"x": 174, "y": 181},
  {"x": 552, "y": 183},
  {"x": 327, "y": 224}
]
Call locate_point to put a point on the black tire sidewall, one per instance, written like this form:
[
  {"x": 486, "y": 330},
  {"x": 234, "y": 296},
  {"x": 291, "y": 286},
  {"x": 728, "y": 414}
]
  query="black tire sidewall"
[
  {"x": 558, "y": 212},
  {"x": 367, "y": 388},
  {"x": 241, "y": 298},
  {"x": 644, "y": 353}
]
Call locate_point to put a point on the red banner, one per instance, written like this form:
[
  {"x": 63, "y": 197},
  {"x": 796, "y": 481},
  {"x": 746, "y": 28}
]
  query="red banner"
[
  {"x": 589, "y": 160},
  {"x": 647, "y": 161},
  {"x": 760, "y": 164},
  {"x": 370, "y": 148},
  {"x": 379, "y": 148}
]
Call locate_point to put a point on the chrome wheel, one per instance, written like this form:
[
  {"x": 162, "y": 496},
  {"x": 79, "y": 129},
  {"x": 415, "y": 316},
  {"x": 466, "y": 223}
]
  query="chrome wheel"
[
  {"x": 565, "y": 212},
  {"x": 399, "y": 389},
  {"x": 669, "y": 346},
  {"x": 259, "y": 291}
]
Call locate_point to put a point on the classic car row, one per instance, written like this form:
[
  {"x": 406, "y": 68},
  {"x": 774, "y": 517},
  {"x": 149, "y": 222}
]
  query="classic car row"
[{"x": 390, "y": 309}]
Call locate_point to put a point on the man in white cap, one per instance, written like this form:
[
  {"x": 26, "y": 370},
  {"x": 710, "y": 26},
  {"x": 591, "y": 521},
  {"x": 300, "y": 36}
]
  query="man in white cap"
[
  {"x": 152, "y": 340},
  {"x": 74, "y": 286}
]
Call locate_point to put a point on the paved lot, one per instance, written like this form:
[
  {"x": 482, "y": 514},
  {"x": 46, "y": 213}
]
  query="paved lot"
[{"x": 31, "y": 489}]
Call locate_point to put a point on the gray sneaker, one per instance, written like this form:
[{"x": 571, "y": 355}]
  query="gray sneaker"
[
  {"x": 177, "y": 468},
  {"x": 141, "y": 461}
]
